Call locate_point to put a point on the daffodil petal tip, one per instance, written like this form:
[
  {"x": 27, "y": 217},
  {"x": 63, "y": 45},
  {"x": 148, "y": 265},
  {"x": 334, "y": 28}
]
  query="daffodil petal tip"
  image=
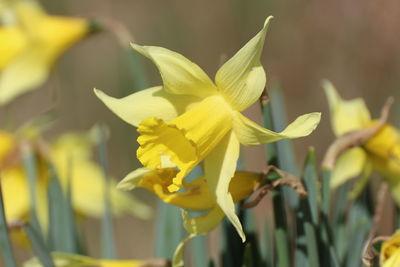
[{"x": 268, "y": 20}]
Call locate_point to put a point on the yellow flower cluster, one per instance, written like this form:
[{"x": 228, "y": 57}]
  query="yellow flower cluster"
[{"x": 72, "y": 159}]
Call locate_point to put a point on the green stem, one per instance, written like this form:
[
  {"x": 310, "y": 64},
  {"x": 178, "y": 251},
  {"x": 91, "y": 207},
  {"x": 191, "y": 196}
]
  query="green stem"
[{"x": 5, "y": 243}]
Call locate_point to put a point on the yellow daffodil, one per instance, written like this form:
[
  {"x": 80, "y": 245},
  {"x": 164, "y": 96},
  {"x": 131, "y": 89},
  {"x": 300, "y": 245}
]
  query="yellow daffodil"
[
  {"x": 390, "y": 251},
  {"x": 196, "y": 196},
  {"x": 71, "y": 157},
  {"x": 380, "y": 153},
  {"x": 191, "y": 118},
  {"x": 69, "y": 260},
  {"x": 30, "y": 42}
]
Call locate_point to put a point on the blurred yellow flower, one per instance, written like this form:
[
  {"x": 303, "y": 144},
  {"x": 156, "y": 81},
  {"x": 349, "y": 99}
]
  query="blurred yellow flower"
[
  {"x": 190, "y": 118},
  {"x": 390, "y": 251},
  {"x": 30, "y": 42},
  {"x": 196, "y": 196},
  {"x": 68, "y": 260},
  {"x": 380, "y": 153},
  {"x": 71, "y": 156}
]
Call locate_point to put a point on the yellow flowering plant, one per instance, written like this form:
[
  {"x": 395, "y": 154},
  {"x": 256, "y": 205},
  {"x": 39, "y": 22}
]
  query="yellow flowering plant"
[
  {"x": 380, "y": 153},
  {"x": 191, "y": 118},
  {"x": 71, "y": 157},
  {"x": 30, "y": 43},
  {"x": 68, "y": 260}
]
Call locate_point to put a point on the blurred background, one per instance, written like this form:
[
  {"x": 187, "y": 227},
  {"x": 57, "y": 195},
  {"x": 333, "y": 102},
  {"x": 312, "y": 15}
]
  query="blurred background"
[{"x": 352, "y": 43}]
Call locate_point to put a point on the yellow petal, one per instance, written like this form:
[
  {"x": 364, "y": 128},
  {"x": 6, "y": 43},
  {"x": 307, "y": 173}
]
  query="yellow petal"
[
  {"x": 196, "y": 226},
  {"x": 152, "y": 102},
  {"x": 177, "y": 260},
  {"x": 7, "y": 145},
  {"x": 394, "y": 186},
  {"x": 196, "y": 196},
  {"x": 186, "y": 140},
  {"x": 52, "y": 34},
  {"x": 390, "y": 251},
  {"x": 242, "y": 79},
  {"x": 12, "y": 44},
  {"x": 132, "y": 180},
  {"x": 249, "y": 133},
  {"x": 55, "y": 35},
  {"x": 202, "y": 224},
  {"x": 28, "y": 12},
  {"x": 87, "y": 181},
  {"x": 346, "y": 115},
  {"x": 29, "y": 65},
  {"x": 385, "y": 144},
  {"x": 362, "y": 182},
  {"x": 68, "y": 260},
  {"x": 243, "y": 184},
  {"x": 14, "y": 183},
  {"x": 393, "y": 261},
  {"x": 180, "y": 75},
  {"x": 349, "y": 165},
  {"x": 219, "y": 168}
]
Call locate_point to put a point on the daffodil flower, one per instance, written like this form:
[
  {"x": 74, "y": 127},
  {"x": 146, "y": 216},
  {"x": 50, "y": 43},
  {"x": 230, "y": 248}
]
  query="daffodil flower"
[
  {"x": 191, "y": 118},
  {"x": 30, "y": 43},
  {"x": 390, "y": 251},
  {"x": 380, "y": 153},
  {"x": 71, "y": 157},
  {"x": 68, "y": 260},
  {"x": 196, "y": 196}
]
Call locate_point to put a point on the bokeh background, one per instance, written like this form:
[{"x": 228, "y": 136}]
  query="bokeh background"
[{"x": 355, "y": 44}]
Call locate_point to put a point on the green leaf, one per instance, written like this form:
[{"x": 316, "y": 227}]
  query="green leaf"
[
  {"x": 309, "y": 210},
  {"x": 285, "y": 151},
  {"x": 281, "y": 235},
  {"x": 359, "y": 224},
  {"x": 107, "y": 234},
  {"x": 326, "y": 192},
  {"x": 62, "y": 228},
  {"x": 329, "y": 253},
  {"x": 169, "y": 230},
  {"x": 5, "y": 243},
  {"x": 39, "y": 246},
  {"x": 267, "y": 244},
  {"x": 310, "y": 179},
  {"x": 281, "y": 226},
  {"x": 198, "y": 244},
  {"x": 30, "y": 164},
  {"x": 139, "y": 76}
]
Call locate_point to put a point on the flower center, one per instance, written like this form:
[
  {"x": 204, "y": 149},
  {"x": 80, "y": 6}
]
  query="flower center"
[{"x": 187, "y": 140}]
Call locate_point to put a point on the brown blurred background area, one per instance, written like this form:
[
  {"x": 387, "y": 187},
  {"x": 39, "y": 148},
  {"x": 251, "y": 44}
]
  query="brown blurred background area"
[{"x": 355, "y": 44}]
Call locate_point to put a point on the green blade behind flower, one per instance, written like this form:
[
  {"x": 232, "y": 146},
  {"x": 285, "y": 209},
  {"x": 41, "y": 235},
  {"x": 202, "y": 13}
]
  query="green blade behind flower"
[
  {"x": 139, "y": 76},
  {"x": 329, "y": 251},
  {"x": 310, "y": 210},
  {"x": 169, "y": 230},
  {"x": 29, "y": 161},
  {"x": 198, "y": 244},
  {"x": 100, "y": 134},
  {"x": 359, "y": 224},
  {"x": 267, "y": 244},
  {"x": 339, "y": 223},
  {"x": 38, "y": 245},
  {"x": 285, "y": 153},
  {"x": 62, "y": 229},
  {"x": 5, "y": 243},
  {"x": 281, "y": 234}
]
